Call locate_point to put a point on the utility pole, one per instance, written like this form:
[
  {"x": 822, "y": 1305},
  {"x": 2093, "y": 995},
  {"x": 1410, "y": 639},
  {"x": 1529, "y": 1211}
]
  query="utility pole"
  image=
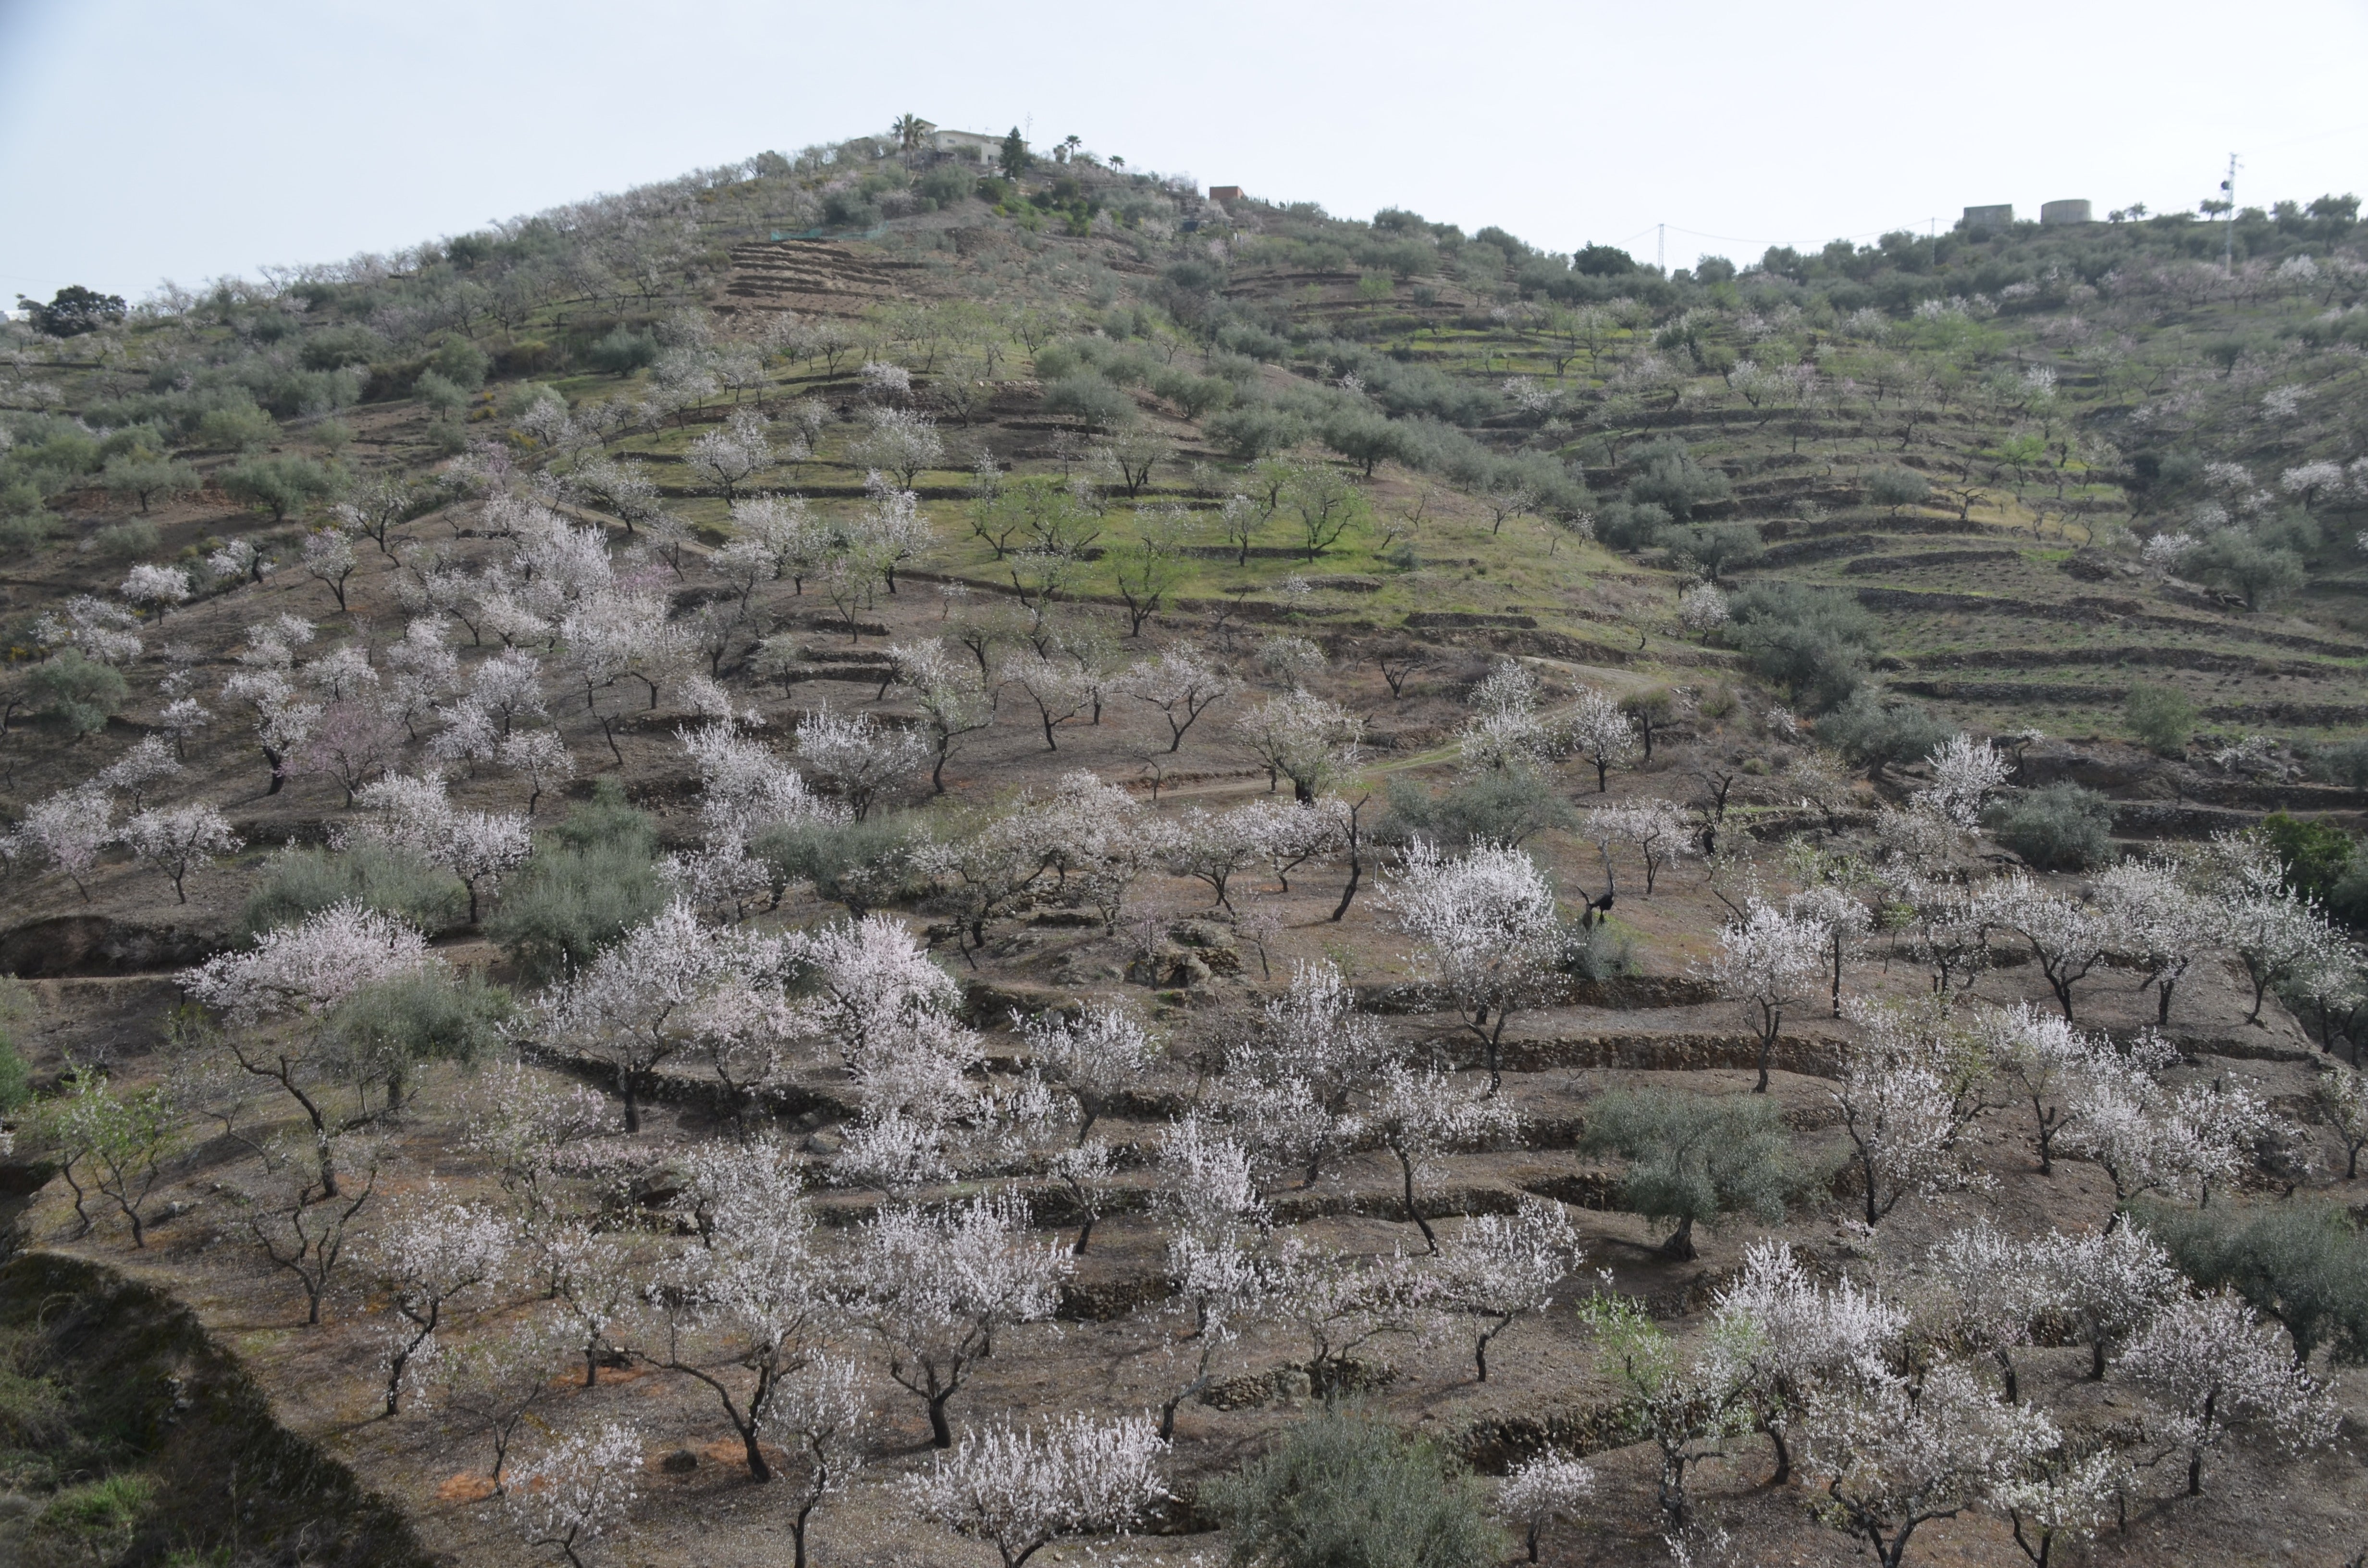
[
  {"x": 1661, "y": 250},
  {"x": 2228, "y": 236}
]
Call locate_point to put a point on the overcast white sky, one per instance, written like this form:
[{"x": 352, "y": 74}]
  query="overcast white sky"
[{"x": 183, "y": 140}]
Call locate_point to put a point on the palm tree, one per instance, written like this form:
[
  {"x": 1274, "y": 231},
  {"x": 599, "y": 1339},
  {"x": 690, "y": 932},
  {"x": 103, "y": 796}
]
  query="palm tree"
[{"x": 910, "y": 129}]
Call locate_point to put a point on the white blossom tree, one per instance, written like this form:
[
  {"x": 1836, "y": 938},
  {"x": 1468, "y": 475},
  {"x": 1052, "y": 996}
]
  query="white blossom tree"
[
  {"x": 1294, "y": 1087},
  {"x": 542, "y": 756},
  {"x": 1486, "y": 923},
  {"x": 1987, "y": 1295},
  {"x": 159, "y": 589},
  {"x": 2068, "y": 938},
  {"x": 1022, "y": 1489},
  {"x": 860, "y": 754},
  {"x": 1897, "y": 1454},
  {"x": 277, "y": 996},
  {"x": 1499, "y": 1267},
  {"x": 65, "y": 831},
  {"x": 1183, "y": 684},
  {"x": 1310, "y": 740},
  {"x": 1904, "y": 1104},
  {"x": 1419, "y": 1114},
  {"x": 2212, "y": 1366},
  {"x": 431, "y": 1256},
  {"x": 1541, "y": 1489},
  {"x": 578, "y": 1490},
  {"x": 1095, "y": 1056},
  {"x": 729, "y": 456},
  {"x": 821, "y": 1410},
  {"x": 1966, "y": 774},
  {"x": 2158, "y": 920},
  {"x": 2110, "y": 1284},
  {"x": 490, "y": 1383},
  {"x": 937, "y": 1286},
  {"x": 2149, "y": 1138},
  {"x": 1778, "y": 1336},
  {"x": 668, "y": 985},
  {"x": 1600, "y": 734},
  {"x": 177, "y": 840},
  {"x": 1766, "y": 960},
  {"x": 752, "y": 1298},
  {"x": 418, "y": 817}
]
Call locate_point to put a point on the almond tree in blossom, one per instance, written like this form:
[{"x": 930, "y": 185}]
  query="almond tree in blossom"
[
  {"x": 1899, "y": 1454},
  {"x": 1766, "y": 960},
  {"x": 1485, "y": 922},
  {"x": 753, "y": 1298},
  {"x": 277, "y": 996},
  {"x": 2212, "y": 1366},
  {"x": 820, "y": 1410},
  {"x": 1779, "y": 1337},
  {"x": 937, "y": 1286},
  {"x": 1497, "y": 1268},
  {"x": 1022, "y": 1489},
  {"x": 668, "y": 986},
  {"x": 1541, "y": 1489},
  {"x": 414, "y": 815},
  {"x": 578, "y": 1490},
  {"x": 429, "y": 1257}
]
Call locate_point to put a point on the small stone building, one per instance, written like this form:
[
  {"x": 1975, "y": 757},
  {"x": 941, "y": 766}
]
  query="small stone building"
[
  {"x": 1224, "y": 193},
  {"x": 1983, "y": 220},
  {"x": 2053, "y": 214}
]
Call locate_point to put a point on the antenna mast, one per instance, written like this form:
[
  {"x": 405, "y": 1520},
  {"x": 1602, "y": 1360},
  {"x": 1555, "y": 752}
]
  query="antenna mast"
[
  {"x": 1661, "y": 250},
  {"x": 2228, "y": 236}
]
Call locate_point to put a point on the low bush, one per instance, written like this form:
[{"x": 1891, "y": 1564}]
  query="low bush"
[
  {"x": 1816, "y": 644},
  {"x": 79, "y": 692},
  {"x": 2161, "y": 717},
  {"x": 1500, "y": 806},
  {"x": 1342, "y": 1490},
  {"x": 2060, "y": 828},
  {"x": 594, "y": 877},
  {"x": 301, "y": 882},
  {"x": 1087, "y": 396},
  {"x": 1874, "y": 733}
]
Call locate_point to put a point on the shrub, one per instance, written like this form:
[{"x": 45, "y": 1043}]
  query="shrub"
[
  {"x": 382, "y": 1030},
  {"x": 2161, "y": 717},
  {"x": 77, "y": 691},
  {"x": 1716, "y": 548},
  {"x": 278, "y": 485},
  {"x": 1090, "y": 397},
  {"x": 2304, "y": 1263},
  {"x": 461, "y": 362},
  {"x": 235, "y": 428},
  {"x": 595, "y": 879},
  {"x": 1697, "y": 1159},
  {"x": 1342, "y": 1490},
  {"x": 1876, "y": 734},
  {"x": 1896, "y": 487},
  {"x": 1254, "y": 430},
  {"x": 26, "y": 531},
  {"x": 2060, "y": 828},
  {"x": 2235, "y": 560},
  {"x": 2315, "y": 853},
  {"x": 1500, "y": 806},
  {"x": 18, "y": 1013},
  {"x": 122, "y": 541},
  {"x": 2343, "y": 762},
  {"x": 1816, "y": 644},
  {"x": 860, "y": 865},
  {"x": 1624, "y": 527},
  {"x": 1669, "y": 476},
  {"x": 946, "y": 185},
  {"x": 623, "y": 351},
  {"x": 298, "y": 882}
]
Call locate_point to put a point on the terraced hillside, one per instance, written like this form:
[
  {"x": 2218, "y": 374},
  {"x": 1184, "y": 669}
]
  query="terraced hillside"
[{"x": 678, "y": 879}]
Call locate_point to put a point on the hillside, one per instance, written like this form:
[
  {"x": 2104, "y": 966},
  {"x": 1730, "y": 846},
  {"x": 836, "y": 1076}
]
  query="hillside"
[{"x": 689, "y": 847}]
